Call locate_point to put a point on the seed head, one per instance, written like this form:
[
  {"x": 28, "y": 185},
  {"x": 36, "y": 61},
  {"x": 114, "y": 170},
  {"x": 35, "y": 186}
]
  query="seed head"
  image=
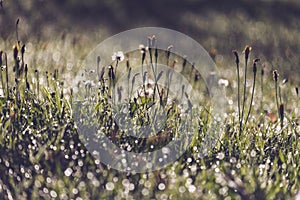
[
  {"x": 275, "y": 75},
  {"x": 151, "y": 41},
  {"x": 120, "y": 89},
  {"x": 127, "y": 64},
  {"x": 143, "y": 49},
  {"x": 98, "y": 60},
  {"x": 169, "y": 50},
  {"x": 247, "y": 51},
  {"x": 111, "y": 73},
  {"x": 263, "y": 70},
  {"x": 255, "y": 65},
  {"x": 23, "y": 49},
  {"x": 118, "y": 56},
  {"x": 184, "y": 62},
  {"x": 281, "y": 111},
  {"x": 223, "y": 82},
  {"x": 235, "y": 53},
  {"x": 173, "y": 64},
  {"x": 284, "y": 81},
  {"x": 16, "y": 50},
  {"x": 213, "y": 53}
]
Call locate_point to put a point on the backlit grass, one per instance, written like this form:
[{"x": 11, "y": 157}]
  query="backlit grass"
[{"x": 43, "y": 156}]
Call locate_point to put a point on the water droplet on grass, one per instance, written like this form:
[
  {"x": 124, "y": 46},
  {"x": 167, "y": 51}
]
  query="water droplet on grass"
[
  {"x": 68, "y": 172},
  {"x": 109, "y": 186},
  {"x": 253, "y": 153},
  {"x": 161, "y": 186}
]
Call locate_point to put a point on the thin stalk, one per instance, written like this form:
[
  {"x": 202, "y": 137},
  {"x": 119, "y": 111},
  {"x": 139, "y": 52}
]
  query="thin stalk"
[
  {"x": 98, "y": 67},
  {"x": 155, "y": 72},
  {"x": 239, "y": 91},
  {"x": 244, "y": 97},
  {"x": 276, "y": 96},
  {"x": 152, "y": 66},
  {"x": 26, "y": 78},
  {"x": 71, "y": 96},
  {"x": 128, "y": 80},
  {"x": 262, "y": 88},
  {"x": 37, "y": 83},
  {"x": 17, "y": 91},
  {"x": 247, "y": 52},
  {"x": 253, "y": 89},
  {"x": 143, "y": 60},
  {"x": 2, "y": 82},
  {"x": 6, "y": 73},
  {"x": 168, "y": 53},
  {"x": 237, "y": 61},
  {"x": 17, "y": 32},
  {"x": 112, "y": 76},
  {"x": 281, "y": 114},
  {"x": 1, "y": 69},
  {"x": 170, "y": 78},
  {"x": 117, "y": 64},
  {"x": 275, "y": 77},
  {"x": 47, "y": 79},
  {"x": 279, "y": 94}
]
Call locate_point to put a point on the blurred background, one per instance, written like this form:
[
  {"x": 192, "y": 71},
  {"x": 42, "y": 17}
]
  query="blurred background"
[{"x": 271, "y": 27}]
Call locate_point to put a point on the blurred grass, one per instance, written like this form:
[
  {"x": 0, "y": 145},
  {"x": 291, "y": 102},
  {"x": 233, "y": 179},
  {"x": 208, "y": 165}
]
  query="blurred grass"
[
  {"x": 48, "y": 161},
  {"x": 272, "y": 26}
]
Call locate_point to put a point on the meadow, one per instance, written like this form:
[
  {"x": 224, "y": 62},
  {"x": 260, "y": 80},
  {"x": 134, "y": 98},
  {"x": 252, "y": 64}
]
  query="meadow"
[{"x": 43, "y": 155}]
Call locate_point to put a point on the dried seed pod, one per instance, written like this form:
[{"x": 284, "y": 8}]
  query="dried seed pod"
[
  {"x": 247, "y": 51},
  {"x": 262, "y": 72},
  {"x": 275, "y": 75},
  {"x": 127, "y": 64},
  {"x": 255, "y": 65},
  {"x": 281, "y": 113},
  {"x": 235, "y": 53},
  {"x": 15, "y": 51},
  {"x": 23, "y": 48},
  {"x": 184, "y": 62}
]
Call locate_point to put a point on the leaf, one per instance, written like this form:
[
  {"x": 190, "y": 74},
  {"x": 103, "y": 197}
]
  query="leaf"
[
  {"x": 159, "y": 75},
  {"x": 281, "y": 156}
]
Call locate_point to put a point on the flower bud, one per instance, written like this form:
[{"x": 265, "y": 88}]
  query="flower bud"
[
  {"x": 247, "y": 51},
  {"x": 235, "y": 53},
  {"x": 275, "y": 75}
]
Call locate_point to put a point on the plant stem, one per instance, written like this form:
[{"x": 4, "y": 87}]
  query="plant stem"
[
  {"x": 239, "y": 101},
  {"x": 143, "y": 60},
  {"x": 247, "y": 51},
  {"x": 244, "y": 96},
  {"x": 6, "y": 72},
  {"x": 262, "y": 89},
  {"x": 2, "y": 82},
  {"x": 251, "y": 101},
  {"x": 279, "y": 94},
  {"x": 37, "y": 83},
  {"x": 276, "y": 96},
  {"x": 281, "y": 114},
  {"x": 153, "y": 71}
]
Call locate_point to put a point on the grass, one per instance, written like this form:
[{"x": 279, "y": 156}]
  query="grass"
[{"x": 43, "y": 156}]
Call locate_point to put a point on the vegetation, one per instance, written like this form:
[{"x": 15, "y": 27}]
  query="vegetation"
[{"x": 43, "y": 156}]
